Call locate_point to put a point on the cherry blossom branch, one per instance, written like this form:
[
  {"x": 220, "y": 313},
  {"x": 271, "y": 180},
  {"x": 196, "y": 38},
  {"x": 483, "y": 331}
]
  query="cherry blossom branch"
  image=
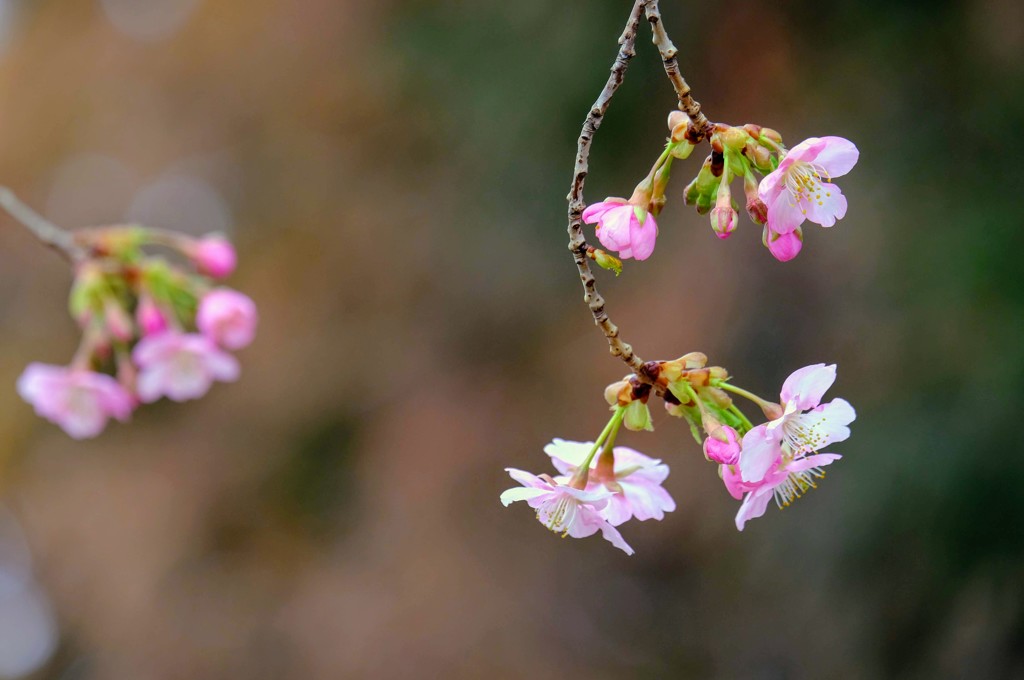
[
  {"x": 687, "y": 104},
  {"x": 577, "y": 241},
  {"x": 61, "y": 240}
]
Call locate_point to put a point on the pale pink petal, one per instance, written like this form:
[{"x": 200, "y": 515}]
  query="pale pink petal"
[
  {"x": 614, "y": 230},
  {"x": 785, "y": 246},
  {"x": 826, "y": 205},
  {"x": 806, "y": 386},
  {"x": 222, "y": 366},
  {"x": 828, "y": 423},
  {"x": 817, "y": 460},
  {"x": 753, "y": 506},
  {"x": 596, "y": 211},
  {"x": 771, "y": 186},
  {"x": 155, "y": 348},
  {"x": 527, "y": 479},
  {"x": 733, "y": 483},
  {"x": 838, "y": 156},
  {"x": 183, "y": 383},
  {"x": 761, "y": 449},
  {"x": 618, "y": 509},
  {"x": 566, "y": 455},
  {"x": 612, "y": 535},
  {"x": 784, "y": 214},
  {"x": 648, "y": 502},
  {"x": 626, "y": 457},
  {"x": 806, "y": 151},
  {"x": 520, "y": 493},
  {"x": 150, "y": 385}
]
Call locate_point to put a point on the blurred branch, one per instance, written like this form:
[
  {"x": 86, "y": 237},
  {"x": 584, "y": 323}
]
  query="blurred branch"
[
  {"x": 61, "y": 240},
  {"x": 687, "y": 104}
]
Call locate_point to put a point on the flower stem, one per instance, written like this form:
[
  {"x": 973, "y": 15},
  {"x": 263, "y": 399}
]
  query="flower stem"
[
  {"x": 728, "y": 387},
  {"x": 609, "y": 434}
]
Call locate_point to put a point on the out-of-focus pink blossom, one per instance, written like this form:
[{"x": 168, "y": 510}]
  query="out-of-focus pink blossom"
[
  {"x": 180, "y": 366},
  {"x": 78, "y": 400},
  {"x": 806, "y": 425},
  {"x": 150, "y": 318},
  {"x": 564, "y": 509},
  {"x": 636, "y": 486},
  {"x": 801, "y": 189},
  {"x": 623, "y": 228},
  {"x": 214, "y": 256},
  {"x": 227, "y": 317}
]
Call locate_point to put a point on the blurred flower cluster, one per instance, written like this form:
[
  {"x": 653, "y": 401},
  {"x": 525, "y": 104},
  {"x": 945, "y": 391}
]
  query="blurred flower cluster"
[
  {"x": 777, "y": 459},
  {"x": 152, "y": 326},
  {"x": 796, "y": 186}
]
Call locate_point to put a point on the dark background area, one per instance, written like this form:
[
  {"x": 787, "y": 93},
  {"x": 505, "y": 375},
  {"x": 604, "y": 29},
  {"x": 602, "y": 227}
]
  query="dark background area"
[{"x": 394, "y": 176}]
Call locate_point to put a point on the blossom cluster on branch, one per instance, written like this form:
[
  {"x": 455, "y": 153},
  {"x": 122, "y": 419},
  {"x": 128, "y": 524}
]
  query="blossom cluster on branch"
[
  {"x": 599, "y": 485},
  {"x": 151, "y": 327}
]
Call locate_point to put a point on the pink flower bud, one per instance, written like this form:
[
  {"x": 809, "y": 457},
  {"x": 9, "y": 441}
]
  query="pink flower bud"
[
  {"x": 722, "y": 446},
  {"x": 149, "y": 317},
  {"x": 227, "y": 317},
  {"x": 117, "y": 321},
  {"x": 214, "y": 256},
  {"x": 723, "y": 221}
]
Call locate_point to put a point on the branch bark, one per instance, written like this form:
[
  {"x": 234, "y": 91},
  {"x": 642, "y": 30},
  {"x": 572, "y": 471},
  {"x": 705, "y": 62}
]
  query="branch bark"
[
  {"x": 687, "y": 104},
  {"x": 577, "y": 241},
  {"x": 61, "y": 240}
]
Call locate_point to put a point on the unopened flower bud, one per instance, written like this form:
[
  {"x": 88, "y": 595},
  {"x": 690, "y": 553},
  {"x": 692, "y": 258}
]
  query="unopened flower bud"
[
  {"x": 84, "y": 300},
  {"x": 717, "y": 396},
  {"x": 702, "y": 190},
  {"x": 604, "y": 260},
  {"x": 723, "y": 221},
  {"x": 618, "y": 393},
  {"x": 117, "y": 322},
  {"x": 771, "y": 134},
  {"x": 149, "y": 317},
  {"x": 722, "y": 446},
  {"x": 682, "y": 150},
  {"x": 637, "y": 417},
  {"x": 677, "y": 119},
  {"x": 734, "y": 138},
  {"x": 214, "y": 256}
]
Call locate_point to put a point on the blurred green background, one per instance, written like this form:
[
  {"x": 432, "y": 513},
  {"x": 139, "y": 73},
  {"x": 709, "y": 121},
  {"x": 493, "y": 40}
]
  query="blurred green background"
[{"x": 394, "y": 175}]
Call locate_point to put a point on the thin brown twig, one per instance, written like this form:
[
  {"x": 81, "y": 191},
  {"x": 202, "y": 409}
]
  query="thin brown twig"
[
  {"x": 577, "y": 241},
  {"x": 61, "y": 240},
  {"x": 687, "y": 104}
]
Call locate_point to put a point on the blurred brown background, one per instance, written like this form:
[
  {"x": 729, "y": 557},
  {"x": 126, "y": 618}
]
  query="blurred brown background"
[{"x": 394, "y": 176}]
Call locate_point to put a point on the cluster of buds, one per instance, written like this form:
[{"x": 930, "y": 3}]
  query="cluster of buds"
[
  {"x": 151, "y": 327},
  {"x": 600, "y": 485},
  {"x": 796, "y": 186}
]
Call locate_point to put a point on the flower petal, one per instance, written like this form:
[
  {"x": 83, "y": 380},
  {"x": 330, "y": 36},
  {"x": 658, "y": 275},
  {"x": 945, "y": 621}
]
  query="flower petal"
[
  {"x": 753, "y": 506},
  {"x": 520, "y": 493},
  {"x": 838, "y": 156},
  {"x": 761, "y": 450},
  {"x": 827, "y": 205},
  {"x": 785, "y": 214},
  {"x": 643, "y": 236},
  {"x": 806, "y": 386},
  {"x": 785, "y": 246}
]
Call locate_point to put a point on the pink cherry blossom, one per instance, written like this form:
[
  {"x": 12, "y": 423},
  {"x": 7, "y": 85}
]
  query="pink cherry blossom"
[
  {"x": 623, "y": 228},
  {"x": 801, "y": 189},
  {"x": 806, "y": 425},
  {"x": 180, "y": 366},
  {"x": 78, "y": 400},
  {"x": 214, "y": 256},
  {"x": 227, "y": 317},
  {"x": 788, "y": 478},
  {"x": 636, "y": 487},
  {"x": 564, "y": 509}
]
